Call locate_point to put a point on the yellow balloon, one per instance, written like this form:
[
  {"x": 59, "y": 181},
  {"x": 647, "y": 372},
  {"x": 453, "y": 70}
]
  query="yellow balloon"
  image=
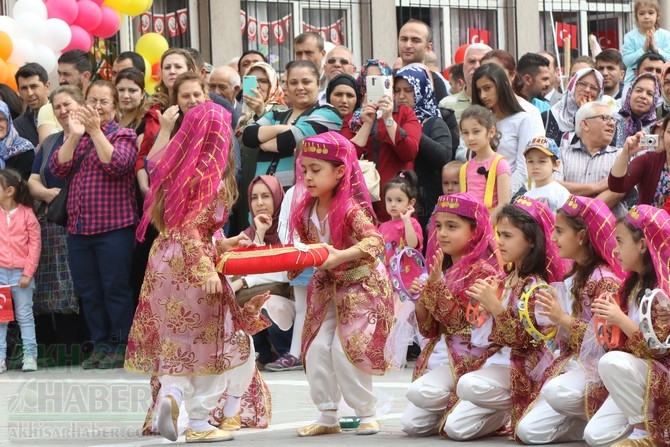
[
  {"x": 151, "y": 87},
  {"x": 137, "y": 7},
  {"x": 118, "y": 5},
  {"x": 152, "y": 46}
]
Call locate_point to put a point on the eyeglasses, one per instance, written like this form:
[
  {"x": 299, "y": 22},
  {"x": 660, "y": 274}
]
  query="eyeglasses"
[
  {"x": 341, "y": 60},
  {"x": 605, "y": 118},
  {"x": 263, "y": 81},
  {"x": 94, "y": 102},
  {"x": 594, "y": 88}
]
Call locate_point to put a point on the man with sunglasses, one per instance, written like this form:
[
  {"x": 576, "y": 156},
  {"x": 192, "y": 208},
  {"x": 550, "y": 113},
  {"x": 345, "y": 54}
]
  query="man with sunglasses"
[{"x": 339, "y": 60}]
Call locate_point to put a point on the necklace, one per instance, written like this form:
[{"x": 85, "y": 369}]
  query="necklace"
[{"x": 323, "y": 224}]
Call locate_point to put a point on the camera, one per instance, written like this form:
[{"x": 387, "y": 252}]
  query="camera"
[{"x": 649, "y": 141}]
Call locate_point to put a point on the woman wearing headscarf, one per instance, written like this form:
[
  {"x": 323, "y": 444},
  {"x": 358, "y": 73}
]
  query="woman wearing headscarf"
[
  {"x": 344, "y": 93},
  {"x": 386, "y": 133},
  {"x": 559, "y": 122},
  {"x": 412, "y": 86},
  {"x": 267, "y": 97},
  {"x": 638, "y": 112},
  {"x": 664, "y": 108},
  {"x": 15, "y": 152}
]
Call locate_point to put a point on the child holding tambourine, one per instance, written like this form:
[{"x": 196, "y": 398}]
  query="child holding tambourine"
[
  {"x": 510, "y": 380},
  {"x": 637, "y": 411}
]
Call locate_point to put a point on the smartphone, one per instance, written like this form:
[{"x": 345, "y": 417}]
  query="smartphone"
[
  {"x": 249, "y": 83},
  {"x": 377, "y": 87}
]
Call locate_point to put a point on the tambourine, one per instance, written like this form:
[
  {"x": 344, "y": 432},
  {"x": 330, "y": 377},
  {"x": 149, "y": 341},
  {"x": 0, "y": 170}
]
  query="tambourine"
[
  {"x": 524, "y": 315},
  {"x": 646, "y": 324},
  {"x": 406, "y": 266},
  {"x": 271, "y": 258},
  {"x": 473, "y": 312},
  {"x": 607, "y": 335}
]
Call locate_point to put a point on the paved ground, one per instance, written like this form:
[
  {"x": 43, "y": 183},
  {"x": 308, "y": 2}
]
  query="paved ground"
[{"x": 71, "y": 407}]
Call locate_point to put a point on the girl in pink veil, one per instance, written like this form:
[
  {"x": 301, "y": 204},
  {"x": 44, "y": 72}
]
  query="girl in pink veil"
[
  {"x": 584, "y": 233},
  {"x": 505, "y": 386},
  {"x": 637, "y": 411},
  {"x": 349, "y": 306},
  {"x": 461, "y": 240},
  {"x": 188, "y": 332}
]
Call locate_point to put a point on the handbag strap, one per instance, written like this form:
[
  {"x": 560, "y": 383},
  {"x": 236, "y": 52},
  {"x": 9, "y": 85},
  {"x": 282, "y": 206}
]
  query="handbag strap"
[{"x": 48, "y": 146}]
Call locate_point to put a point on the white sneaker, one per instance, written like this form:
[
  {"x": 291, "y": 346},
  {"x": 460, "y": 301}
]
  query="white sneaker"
[
  {"x": 29, "y": 364},
  {"x": 3, "y": 366}
]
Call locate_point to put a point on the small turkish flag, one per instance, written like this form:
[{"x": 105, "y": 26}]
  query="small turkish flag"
[
  {"x": 565, "y": 30},
  {"x": 478, "y": 36},
  {"x": 264, "y": 33},
  {"x": 6, "y": 307},
  {"x": 608, "y": 39}
]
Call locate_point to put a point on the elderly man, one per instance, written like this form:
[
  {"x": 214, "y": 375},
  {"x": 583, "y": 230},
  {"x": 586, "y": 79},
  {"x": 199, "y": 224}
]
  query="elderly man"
[
  {"x": 225, "y": 82},
  {"x": 338, "y": 60},
  {"x": 586, "y": 164},
  {"x": 462, "y": 100}
]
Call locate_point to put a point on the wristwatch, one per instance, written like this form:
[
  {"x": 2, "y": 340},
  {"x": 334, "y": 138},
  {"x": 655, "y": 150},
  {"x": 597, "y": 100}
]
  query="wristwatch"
[
  {"x": 244, "y": 283},
  {"x": 388, "y": 122}
]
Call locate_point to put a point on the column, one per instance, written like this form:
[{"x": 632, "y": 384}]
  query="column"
[
  {"x": 527, "y": 35},
  {"x": 224, "y": 30},
  {"x": 381, "y": 16}
]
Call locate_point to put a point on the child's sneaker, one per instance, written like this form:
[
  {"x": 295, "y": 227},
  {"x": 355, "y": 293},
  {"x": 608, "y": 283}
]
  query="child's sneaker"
[
  {"x": 284, "y": 363},
  {"x": 3, "y": 366},
  {"x": 29, "y": 364}
]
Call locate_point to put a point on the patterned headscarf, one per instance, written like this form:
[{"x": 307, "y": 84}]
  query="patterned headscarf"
[
  {"x": 482, "y": 244},
  {"x": 565, "y": 110},
  {"x": 12, "y": 144},
  {"x": 425, "y": 103},
  {"x": 277, "y": 191},
  {"x": 655, "y": 225},
  {"x": 600, "y": 224},
  {"x": 541, "y": 213},
  {"x": 350, "y": 193},
  {"x": 635, "y": 123},
  {"x": 275, "y": 95},
  {"x": 191, "y": 169},
  {"x": 357, "y": 120}
]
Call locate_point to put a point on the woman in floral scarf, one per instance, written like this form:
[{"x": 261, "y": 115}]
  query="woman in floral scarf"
[{"x": 15, "y": 152}]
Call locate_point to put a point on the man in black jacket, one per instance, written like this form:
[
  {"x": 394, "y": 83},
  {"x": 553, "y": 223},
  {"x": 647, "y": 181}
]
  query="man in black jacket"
[{"x": 33, "y": 82}]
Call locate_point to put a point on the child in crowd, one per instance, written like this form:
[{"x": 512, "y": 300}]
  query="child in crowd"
[
  {"x": 510, "y": 380},
  {"x": 647, "y": 36},
  {"x": 542, "y": 159},
  {"x": 451, "y": 182},
  {"x": 583, "y": 233},
  {"x": 456, "y": 79},
  {"x": 402, "y": 230},
  {"x": 636, "y": 376},
  {"x": 349, "y": 308},
  {"x": 19, "y": 256},
  {"x": 478, "y": 131},
  {"x": 462, "y": 248}
]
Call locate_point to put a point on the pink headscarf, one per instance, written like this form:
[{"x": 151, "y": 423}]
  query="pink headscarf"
[
  {"x": 541, "y": 213},
  {"x": 482, "y": 244},
  {"x": 600, "y": 224},
  {"x": 191, "y": 168},
  {"x": 350, "y": 193},
  {"x": 271, "y": 236},
  {"x": 655, "y": 225}
]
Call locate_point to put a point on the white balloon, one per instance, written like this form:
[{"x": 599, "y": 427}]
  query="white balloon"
[
  {"x": 29, "y": 26},
  {"x": 7, "y": 25},
  {"x": 24, "y": 51},
  {"x": 37, "y": 7},
  {"x": 46, "y": 57},
  {"x": 57, "y": 34}
]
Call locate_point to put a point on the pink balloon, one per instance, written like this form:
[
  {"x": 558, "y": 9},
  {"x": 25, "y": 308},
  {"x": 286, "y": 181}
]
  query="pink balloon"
[
  {"x": 81, "y": 39},
  {"x": 89, "y": 16},
  {"x": 66, "y": 10},
  {"x": 109, "y": 25},
  {"x": 97, "y": 2}
]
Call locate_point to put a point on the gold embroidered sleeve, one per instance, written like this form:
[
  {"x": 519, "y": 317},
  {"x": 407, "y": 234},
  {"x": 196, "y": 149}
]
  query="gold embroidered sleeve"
[
  {"x": 507, "y": 331},
  {"x": 577, "y": 332},
  {"x": 638, "y": 345},
  {"x": 443, "y": 306},
  {"x": 252, "y": 324},
  {"x": 365, "y": 231}
]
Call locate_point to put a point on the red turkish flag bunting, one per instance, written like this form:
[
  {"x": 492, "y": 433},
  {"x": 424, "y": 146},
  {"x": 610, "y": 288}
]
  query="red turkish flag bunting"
[
  {"x": 243, "y": 21},
  {"x": 173, "y": 28},
  {"x": 252, "y": 29},
  {"x": 563, "y": 30},
  {"x": 146, "y": 20},
  {"x": 182, "y": 19},
  {"x": 159, "y": 23},
  {"x": 479, "y": 36},
  {"x": 264, "y": 33},
  {"x": 278, "y": 31}
]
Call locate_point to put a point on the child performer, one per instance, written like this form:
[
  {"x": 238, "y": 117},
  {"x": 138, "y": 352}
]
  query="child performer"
[
  {"x": 583, "y": 233},
  {"x": 636, "y": 376},
  {"x": 349, "y": 308},
  {"x": 463, "y": 242},
  {"x": 511, "y": 379}
]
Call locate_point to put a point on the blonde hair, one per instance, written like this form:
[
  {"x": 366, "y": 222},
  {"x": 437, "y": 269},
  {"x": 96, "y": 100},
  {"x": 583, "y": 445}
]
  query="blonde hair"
[{"x": 654, "y": 4}]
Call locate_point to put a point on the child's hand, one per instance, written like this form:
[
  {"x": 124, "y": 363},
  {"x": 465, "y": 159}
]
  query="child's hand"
[
  {"x": 333, "y": 258},
  {"x": 608, "y": 309},
  {"x": 548, "y": 306},
  {"x": 408, "y": 213},
  {"x": 24, "y": 281},
  {"x": 662, "y": 309},
  {"x": 225, "y": 244},
  {"x": 416, "y": 287},
  {"x": 484, "y": 292},
  {"x": 253, "y": 306},
  {"x": 435, "y": 274},
  {"x": 212, "y": 285}
]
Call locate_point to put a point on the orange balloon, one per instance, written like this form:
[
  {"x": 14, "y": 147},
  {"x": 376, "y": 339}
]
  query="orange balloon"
[
  {"x": 3, "y": 71},
  {"x": 6, "y": 45},
  {"x": 12, "y": 68}
]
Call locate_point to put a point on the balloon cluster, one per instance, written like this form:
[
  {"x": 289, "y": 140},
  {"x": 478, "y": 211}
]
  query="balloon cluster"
[
  {"x": 151, "y": 47},
  {"x": 40, "y": 30}
]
